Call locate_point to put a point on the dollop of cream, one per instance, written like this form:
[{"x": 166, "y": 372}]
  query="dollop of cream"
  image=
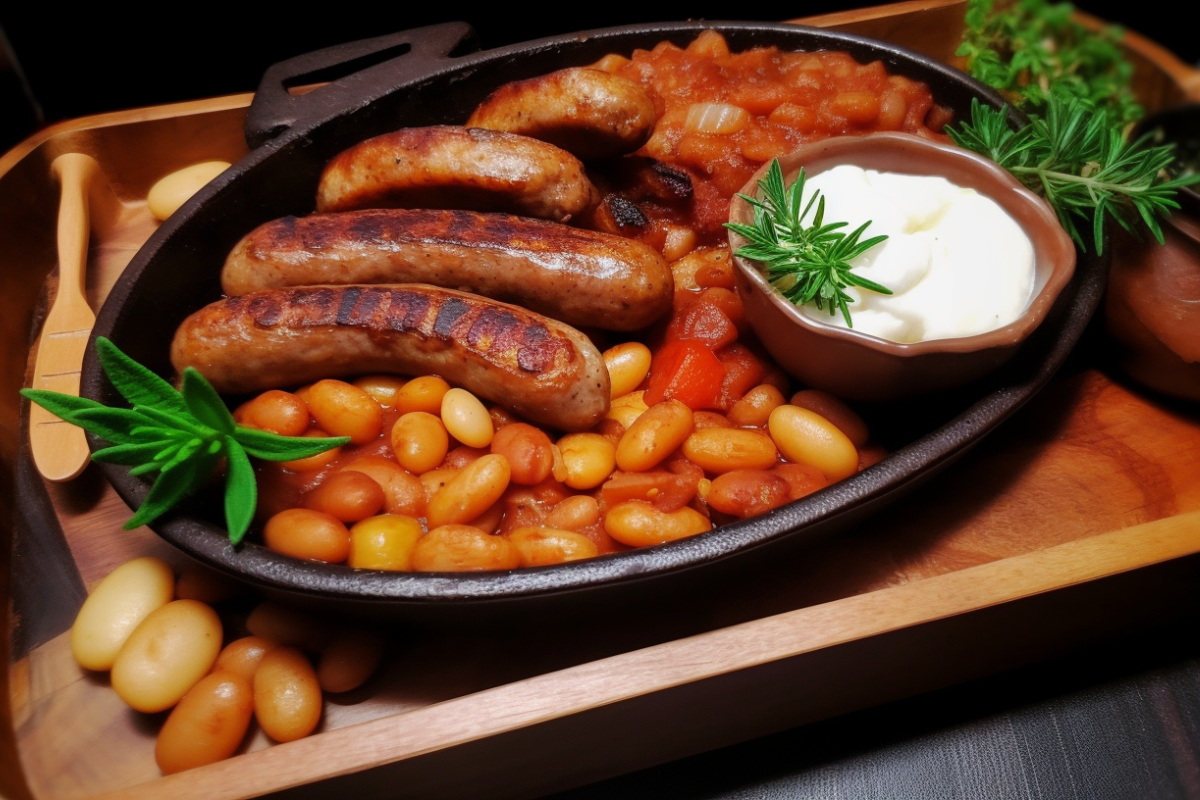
[{"x": 956, "y": 262}]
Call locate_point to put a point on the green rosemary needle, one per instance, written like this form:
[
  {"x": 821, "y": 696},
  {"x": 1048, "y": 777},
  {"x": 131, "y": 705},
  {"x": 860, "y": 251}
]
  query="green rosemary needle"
[
  {"x": 1075, "y": 157},
  {"x": 806, "y": 263},
  {"x": 181, "y": 435}
]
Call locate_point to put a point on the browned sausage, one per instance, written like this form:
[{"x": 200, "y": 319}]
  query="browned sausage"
[
  {"x": 544, "y": 370},
  {"x": 578, "y": 276},
  {"x": 589, "y": 112},
  {"x": 451, "y": 167}
]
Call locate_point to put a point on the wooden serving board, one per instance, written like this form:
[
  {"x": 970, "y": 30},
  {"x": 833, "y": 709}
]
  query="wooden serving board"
[{"x": 1080, "y": 519}]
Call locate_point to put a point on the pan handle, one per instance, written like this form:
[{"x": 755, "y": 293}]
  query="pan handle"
[{"x": 350, "y": 71}]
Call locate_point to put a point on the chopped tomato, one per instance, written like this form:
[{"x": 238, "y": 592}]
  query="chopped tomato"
[
  {"x": 686, "y": 371},
  {"x": 703, "y": 322},
  {"x": 667, "y": 491},
  {"x": 743, "y": 371}
]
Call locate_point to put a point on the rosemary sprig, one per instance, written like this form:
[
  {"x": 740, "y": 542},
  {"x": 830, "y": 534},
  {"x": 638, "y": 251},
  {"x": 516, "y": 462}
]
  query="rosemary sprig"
[
  {"x": 181, "y": 435},
  {"x": 1076, "y": 158},
  {"x": 806, "y": 263}
]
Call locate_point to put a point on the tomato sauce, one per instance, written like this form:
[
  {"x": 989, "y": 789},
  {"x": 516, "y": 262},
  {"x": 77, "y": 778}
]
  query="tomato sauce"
[{"x": 722, "y": 115}]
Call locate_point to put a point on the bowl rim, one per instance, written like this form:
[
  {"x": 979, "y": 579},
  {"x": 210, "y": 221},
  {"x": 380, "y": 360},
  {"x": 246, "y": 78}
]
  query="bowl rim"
[{"x": 1059, "y": 246}]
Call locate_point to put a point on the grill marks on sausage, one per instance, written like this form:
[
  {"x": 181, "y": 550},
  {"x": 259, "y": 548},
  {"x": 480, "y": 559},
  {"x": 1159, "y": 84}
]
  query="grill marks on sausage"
[
  {"x": 583, "y": 277},
  {"x": 496, "y": 330}
]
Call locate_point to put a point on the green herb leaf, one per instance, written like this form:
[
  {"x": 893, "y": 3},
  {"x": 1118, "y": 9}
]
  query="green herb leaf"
[
  {"x": 172, "y": 486},
  {"x": 1075, "y": 157},
  {"x": 138, "y": 385},
  {"x": 272, "y": 447},
  {"x": 806, "y": 263},
  {"x": 204, "y": 402},
  {"x": 241, "y": 491},
  {"x": 181, "y": 436}
]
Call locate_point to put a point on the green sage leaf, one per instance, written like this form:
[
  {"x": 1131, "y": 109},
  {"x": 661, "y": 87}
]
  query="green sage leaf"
[
  {"x": 137, "y": 384},
  {"x": 241, "y": 491},
  {"x": 273, "y": 447},
  {"x": 204, "y": 402},
  {"x": 170, "y": 487}
]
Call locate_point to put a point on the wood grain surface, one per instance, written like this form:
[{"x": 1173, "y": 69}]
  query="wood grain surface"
[{"x": 1093, "y": 481}]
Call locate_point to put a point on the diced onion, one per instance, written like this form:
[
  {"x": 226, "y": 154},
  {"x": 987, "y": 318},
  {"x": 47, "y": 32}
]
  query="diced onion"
[{"x": 716, "y": 118}]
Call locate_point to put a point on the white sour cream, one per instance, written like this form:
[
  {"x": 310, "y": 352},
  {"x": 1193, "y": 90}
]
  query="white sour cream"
[{"x": 956, "y": 262}]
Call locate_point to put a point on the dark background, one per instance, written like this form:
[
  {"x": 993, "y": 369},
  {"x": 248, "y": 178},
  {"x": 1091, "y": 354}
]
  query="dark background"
[{"x": 98, "y": 59}]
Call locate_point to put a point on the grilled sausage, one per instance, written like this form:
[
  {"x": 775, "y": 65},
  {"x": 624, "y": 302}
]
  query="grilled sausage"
[
  {"x": 444, "y": 166},
  {"x": 588, "y": 112},
  {"x": 580, "y": 277},
  {"x": 544, "y": 370}
]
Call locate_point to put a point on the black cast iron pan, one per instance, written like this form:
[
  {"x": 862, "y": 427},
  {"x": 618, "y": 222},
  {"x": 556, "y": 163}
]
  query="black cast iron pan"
[{"x": 429, "y": 76}]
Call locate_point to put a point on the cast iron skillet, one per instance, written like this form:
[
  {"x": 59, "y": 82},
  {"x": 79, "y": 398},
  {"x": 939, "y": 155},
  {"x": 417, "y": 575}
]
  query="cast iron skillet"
[{"x": 427, "y": 79}]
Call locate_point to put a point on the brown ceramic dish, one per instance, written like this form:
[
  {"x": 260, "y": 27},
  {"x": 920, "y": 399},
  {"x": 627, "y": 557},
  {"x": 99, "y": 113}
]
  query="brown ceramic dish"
[
  {"x": 429, "y": 76},
  {"x": 1152, "y": 309},
  {"x": 858, "y": 366}
]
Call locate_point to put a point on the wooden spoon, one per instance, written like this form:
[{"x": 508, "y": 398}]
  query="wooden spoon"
[{"x": 60, "y": 450}]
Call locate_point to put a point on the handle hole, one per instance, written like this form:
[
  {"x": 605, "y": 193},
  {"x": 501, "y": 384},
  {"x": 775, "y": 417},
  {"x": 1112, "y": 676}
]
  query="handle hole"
[{"x": 303, "y": 83}]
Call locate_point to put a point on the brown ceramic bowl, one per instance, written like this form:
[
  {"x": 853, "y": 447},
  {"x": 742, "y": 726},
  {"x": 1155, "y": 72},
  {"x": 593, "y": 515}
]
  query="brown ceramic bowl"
[
  {"x": 857, "y": 366},
  {"x": 1152, "y": 307}
]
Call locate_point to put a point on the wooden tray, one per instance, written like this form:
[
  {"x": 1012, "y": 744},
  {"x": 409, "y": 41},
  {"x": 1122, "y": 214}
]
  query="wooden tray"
[{"x": 1080, "y": 520}]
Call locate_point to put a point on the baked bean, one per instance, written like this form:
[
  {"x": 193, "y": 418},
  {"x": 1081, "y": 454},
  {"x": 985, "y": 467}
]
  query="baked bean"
[
  {"x": 463, "y": 456},
  {"x": 726, "y": 449},
  {"x": 435, "y": 480},
  {"x": 351, "y": 658},
  {"x": 574, "y": 513},
  {"x": 893, "y": 108},
  {"x": 748, "y": 492},
  {"x": 347, "y": 496},
  {"x": 869, "y": 455},
  {"x": 539, "y": 547},
  {"x": 628, "y": 364},
  {"x": 172, "y": 648},
  {"x": 422, "y": 394},
  {"x": 286, "y": 625},
  {"x": 501, "y": 416},
  {"x": 117, "y": 605},
  {"x": 462, "y": 548},
  {"x": 384, "y": 542},
  {"x": 470, "y": 492},
  {"x": 287, "y": 695},
  {"x": 345, "y": 410},
  {"x": 309, "y": 535},
  {"x": 802, "y": 479},
  {"x": 558, "y": 467},
  {"x": 420, "y": 441},
  {"x": 639, "y": 524},
  {"x": 466, "y": 418},
  {"x": 709, "y": 419},
  {"x": 489, "y": 521},
  {"x": 831, "y": 408},
  {"x": 207, "y": 725},
  {"x": 858, "y": 107},
  {"x": 527, "y": 450},
  {"x": 313, "y": 462},
  {"x": 403, "y": 492},
  {"x": 755, "y": 407},
  {"x": 807, "y": 437},
  {"x": 678, "y": 242},
  {"x": 654, "y": 436},
  {"x": 627, "y": 408},
  {"x": 276, "y": 411},
  {"x": 588, "y": 459},
  {"x": 383, "y": 388},
  {"x": 242, "y": 656}
]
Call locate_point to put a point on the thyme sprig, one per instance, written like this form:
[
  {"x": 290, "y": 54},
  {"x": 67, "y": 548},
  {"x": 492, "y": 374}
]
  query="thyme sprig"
[
  {"x": 181, "y": 435},
  {"x": 1076, "y": 158},
  {"x": 806, "y": 263}
]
